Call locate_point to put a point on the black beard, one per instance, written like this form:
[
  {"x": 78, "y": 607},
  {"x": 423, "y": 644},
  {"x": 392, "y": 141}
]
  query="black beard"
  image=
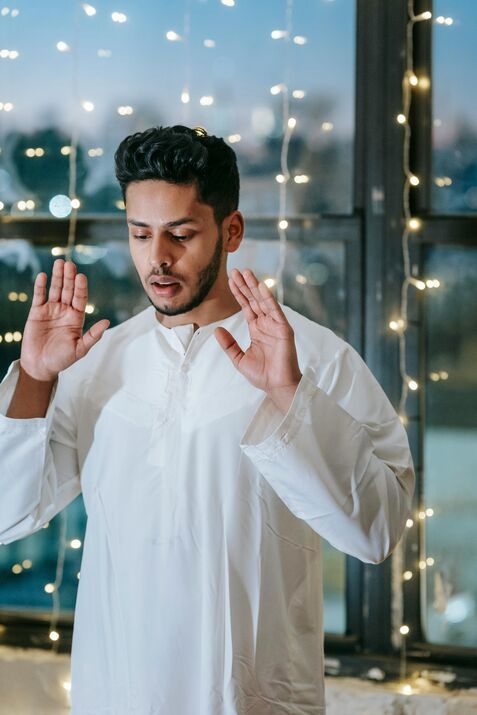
[{"x": 206, "y": 280}]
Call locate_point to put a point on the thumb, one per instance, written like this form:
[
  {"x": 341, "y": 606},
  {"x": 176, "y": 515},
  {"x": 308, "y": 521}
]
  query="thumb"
[
  {"x": 93, "y": 335},
  {"x": 229, "y": 345}
]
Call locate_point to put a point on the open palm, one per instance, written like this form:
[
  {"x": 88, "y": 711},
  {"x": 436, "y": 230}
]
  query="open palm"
[
  {"x": 270, "y": 362},
  {"x": 53, "y": 336}
]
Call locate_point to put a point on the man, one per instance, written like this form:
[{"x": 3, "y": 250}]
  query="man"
[{"x": 216, "y": 437}]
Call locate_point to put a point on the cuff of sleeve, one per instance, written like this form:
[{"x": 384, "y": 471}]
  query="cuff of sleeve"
[{"x": 269, "y": 431}]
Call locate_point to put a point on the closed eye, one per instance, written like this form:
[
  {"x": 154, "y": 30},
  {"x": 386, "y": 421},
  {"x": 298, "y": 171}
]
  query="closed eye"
[{"x": 180, "y": 237}]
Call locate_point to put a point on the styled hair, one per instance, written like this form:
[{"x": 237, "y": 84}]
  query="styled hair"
[{"x": 180, "y": 155}]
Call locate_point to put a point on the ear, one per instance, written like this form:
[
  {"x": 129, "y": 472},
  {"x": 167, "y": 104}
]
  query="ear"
[{"x": 233, "y": 231}]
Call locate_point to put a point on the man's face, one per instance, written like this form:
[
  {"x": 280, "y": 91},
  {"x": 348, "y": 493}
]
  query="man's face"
[{"x": 176, "y": 246}]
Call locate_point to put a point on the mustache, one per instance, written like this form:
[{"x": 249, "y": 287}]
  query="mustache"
[{"x": 164, "y": 271}]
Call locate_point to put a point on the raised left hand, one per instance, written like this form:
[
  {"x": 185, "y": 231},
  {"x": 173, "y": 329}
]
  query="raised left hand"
[{"x": 270, "y": 362}]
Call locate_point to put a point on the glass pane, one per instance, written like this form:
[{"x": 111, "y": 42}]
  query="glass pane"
[
  {"x": 314, "y": 283},
  {"x": 454, "y": 156},
  {"x": 450, "y": 448},
  {"x": 75, "y": 77}
]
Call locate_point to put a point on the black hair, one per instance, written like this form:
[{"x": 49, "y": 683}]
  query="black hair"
[{"x": 181, "y": 155}]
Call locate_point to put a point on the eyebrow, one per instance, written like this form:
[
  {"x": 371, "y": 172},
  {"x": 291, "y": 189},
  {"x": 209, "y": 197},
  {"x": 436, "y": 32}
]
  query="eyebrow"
[{"x": 168, "y": 224}]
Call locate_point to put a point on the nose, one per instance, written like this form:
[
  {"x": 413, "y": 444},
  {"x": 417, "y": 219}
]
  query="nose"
[{"x": 160, "y": 253}]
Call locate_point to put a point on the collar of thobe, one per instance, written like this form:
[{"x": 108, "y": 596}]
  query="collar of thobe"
[{"x": 180, "y": 336}]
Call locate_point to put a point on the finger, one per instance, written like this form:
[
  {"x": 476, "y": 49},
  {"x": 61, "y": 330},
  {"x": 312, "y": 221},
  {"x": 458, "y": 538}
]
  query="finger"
[
  {"x": 269, "y": 303},
  {"x": 56, "y": 284},
  {"x": 80, "y": 292},
  {"x": 69, "y": 273},
  {"x": 93, "y": 335},
  {"x": 243, "y": 292},
  {"x": 229, "y": 345},
  {"x": 39, "y": 290},
  {"x": 252, "y": 284},
  {"x": 264, "y": 297},
  {"x": 242, "y": 301}
]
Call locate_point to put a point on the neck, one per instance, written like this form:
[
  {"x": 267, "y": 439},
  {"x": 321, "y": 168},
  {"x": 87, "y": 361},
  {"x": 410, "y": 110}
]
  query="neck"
[{"x": 213, "y": 308}]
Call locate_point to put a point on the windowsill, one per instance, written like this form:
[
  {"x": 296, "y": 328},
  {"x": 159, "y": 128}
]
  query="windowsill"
[{"x": 33, "y": 680}]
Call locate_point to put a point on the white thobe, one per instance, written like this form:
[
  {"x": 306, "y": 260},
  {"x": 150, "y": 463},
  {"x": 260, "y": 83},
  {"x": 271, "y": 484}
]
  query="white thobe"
[{"x": 201, "y": 586}]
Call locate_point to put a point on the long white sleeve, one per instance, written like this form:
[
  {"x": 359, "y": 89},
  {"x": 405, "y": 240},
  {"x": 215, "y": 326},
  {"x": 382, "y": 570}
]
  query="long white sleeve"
[
  {"x": 38, "y": 472},
  {"x": 345, "y": 470}
]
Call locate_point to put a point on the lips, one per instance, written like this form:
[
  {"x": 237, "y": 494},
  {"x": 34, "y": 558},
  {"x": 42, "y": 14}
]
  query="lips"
[{"x": 165, "y": 286}]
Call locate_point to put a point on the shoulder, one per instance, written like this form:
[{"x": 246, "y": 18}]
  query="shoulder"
[
  {"x": 339, "y": 370},
  {"x": 328, "y": 356},
  {"x": 314, "y": 339}
]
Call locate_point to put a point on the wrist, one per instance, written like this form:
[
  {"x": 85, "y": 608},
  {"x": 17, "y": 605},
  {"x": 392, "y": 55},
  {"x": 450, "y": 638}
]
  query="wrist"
[
  {"x": 38, "y": 379},
  {"x": 282, "y": 396},
  {"x": 31, "y": 397}
]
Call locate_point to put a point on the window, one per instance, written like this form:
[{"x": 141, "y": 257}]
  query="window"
[
  {"x": 454, "y": 134},
  {"x": 450, "y": 450},
  {"x": 98, "y": 75},
  {"x": 449, "y": 584}
]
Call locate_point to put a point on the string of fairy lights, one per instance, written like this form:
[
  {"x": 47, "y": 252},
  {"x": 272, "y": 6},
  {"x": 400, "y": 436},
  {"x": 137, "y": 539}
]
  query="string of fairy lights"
[
  {"x": 400, "y": 325},
  {"x": 67, "y": 206}
]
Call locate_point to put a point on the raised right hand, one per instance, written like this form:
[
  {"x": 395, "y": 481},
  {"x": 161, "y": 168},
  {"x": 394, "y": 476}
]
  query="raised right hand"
[{"x": 53, "y": 336}]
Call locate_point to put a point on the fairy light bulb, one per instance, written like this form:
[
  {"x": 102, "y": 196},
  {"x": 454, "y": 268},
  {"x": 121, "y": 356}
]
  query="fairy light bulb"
[
  {"x": 414, "y": 224},
  {"x": 413, "y": 384},
  {"x": 397, "y": 325},
  {"x": 420, "y": 285},
  {"x": 89, "y": 9},
  {"x": 173, "y": 36},
  {"x": 401, "y": 119},
  {"x": 119, "y": 17},
  {"x": 414, "y": 180},
  {"x": 278, "y": 34}
]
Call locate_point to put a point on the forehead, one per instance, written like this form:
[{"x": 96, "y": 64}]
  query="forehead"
[{"x": 157, "y": 197}]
